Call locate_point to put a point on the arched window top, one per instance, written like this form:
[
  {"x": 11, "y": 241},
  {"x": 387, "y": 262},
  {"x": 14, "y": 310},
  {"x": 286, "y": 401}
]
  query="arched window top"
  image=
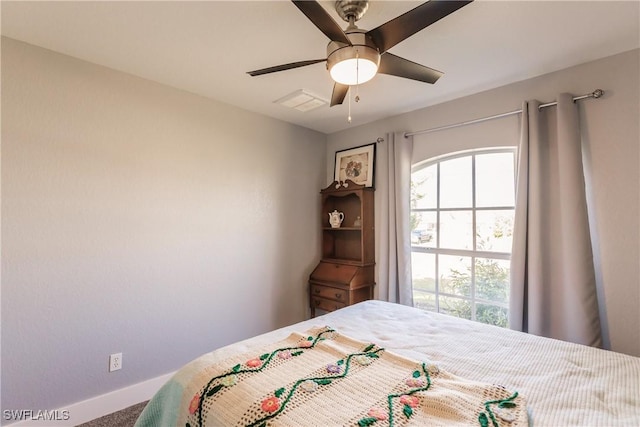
[{"x": 465, "y": 153}]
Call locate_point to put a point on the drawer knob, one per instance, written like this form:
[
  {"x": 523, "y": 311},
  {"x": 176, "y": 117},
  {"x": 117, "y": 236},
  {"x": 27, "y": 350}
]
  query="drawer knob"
[
  {"x": 317, "y": 291},
  {"x": 318, "y": 302},
  {"x": 339, "y": 296}
]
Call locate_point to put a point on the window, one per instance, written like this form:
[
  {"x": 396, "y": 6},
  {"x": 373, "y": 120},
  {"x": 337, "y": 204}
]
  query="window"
[{"x": 462, "y": 209}]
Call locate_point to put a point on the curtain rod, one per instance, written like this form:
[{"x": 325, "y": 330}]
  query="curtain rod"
[{"x": 595, "y": 94}]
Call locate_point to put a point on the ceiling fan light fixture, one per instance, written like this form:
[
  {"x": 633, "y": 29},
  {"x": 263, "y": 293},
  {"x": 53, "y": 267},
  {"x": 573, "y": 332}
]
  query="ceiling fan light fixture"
[
  {"x": 352, "y": 65},
  {"x": 353, "y": 71}
]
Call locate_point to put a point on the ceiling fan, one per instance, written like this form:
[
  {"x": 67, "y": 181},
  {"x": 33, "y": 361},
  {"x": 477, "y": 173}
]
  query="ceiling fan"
[{"x": 355, "y": 56}]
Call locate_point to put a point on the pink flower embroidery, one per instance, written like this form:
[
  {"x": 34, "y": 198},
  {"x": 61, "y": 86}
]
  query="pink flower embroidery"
[
  {"x": 305, "y": 344},
  {"x": 378, "y": 413},
  {"x": 270, "y": 404},
  {"x": 195, "y": 402},
  {"x": 409, "y": 400},
  {"x": 254, "y": 363},
  {"x": 284, "y": 354},
  {"x": 415, "y": 382}
]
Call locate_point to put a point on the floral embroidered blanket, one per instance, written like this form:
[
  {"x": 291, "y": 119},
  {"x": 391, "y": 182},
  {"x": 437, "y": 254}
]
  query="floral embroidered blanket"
[{"x": 323, "y": 378}]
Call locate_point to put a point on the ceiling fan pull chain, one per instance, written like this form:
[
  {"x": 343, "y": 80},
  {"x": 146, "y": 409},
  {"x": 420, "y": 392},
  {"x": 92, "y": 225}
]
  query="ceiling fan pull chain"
[
  {"x": 357, "y": 98},
  {"x": 349, "y": 97}
]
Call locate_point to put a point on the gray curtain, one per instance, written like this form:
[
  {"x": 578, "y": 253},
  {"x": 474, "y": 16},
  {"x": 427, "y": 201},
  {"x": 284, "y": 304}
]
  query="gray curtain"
[
  {"x": 393, "y": 240},
  {"x": 553, "y": 285}
]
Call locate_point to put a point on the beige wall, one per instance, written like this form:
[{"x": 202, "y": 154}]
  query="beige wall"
[
  {"x": 612, "y": 162},
  {"x": 140, "y": 219}
]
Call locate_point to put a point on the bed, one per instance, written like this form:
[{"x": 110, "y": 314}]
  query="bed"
[{"x": 380, "y": 364}]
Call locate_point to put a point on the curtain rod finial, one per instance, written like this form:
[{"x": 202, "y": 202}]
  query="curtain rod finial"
[{"x": 597, "y": 93}]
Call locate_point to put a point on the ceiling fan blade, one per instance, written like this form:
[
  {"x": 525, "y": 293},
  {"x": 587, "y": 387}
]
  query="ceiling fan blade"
[
  {"x": 404, "y": 26},
  {"x": 396, "y": 66},
  {"x": 284, "y": 67},
  {"x": 339, "y": 93},
  {"x": 321, "y": 19}
]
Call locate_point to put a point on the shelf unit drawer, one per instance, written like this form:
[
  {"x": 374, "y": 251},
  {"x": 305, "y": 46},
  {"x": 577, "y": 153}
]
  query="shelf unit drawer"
[
  {"x": 338, "y": 275},
  {"x": 334, "y": 273},
  {"x": 325, "y": 304},
  {"x": 330, "y": 293}
]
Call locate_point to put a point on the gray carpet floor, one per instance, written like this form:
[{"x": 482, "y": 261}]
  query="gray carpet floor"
[{"x": 124, "y": 418}]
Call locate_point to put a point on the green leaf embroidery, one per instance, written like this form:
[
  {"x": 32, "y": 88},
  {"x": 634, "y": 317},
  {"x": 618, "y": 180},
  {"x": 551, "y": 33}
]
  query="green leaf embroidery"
[
  {"x": 263, "y": 424},
  {"x": 236, "y": 368},
  {"x": 507, "y": 405},
  {"x": 407, "y": 411},
  {"x": 215, "y": 390},
  {"x": 297, "y": 353},
  {"x": 368, "y": 348},
  {"x": 323, "y": 381},
  {"x": 365, "y": 422},
  {"x": 264, "y": 356},
  {"x": 372, "y": 355},
  {"x": 340, "y": 362},
  {"x": 310, "y": 339},
  {"x": 416, "y": 374},
  {"x": 483, "y": 420},
  {"x": 279, "y": 392}
]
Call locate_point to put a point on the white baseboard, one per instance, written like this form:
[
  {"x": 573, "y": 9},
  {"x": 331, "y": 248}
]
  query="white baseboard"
[{"x": 87, "y": 410}]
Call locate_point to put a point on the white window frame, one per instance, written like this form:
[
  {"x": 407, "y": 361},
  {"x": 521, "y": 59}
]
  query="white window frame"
[{"x": 473, "y": 254}]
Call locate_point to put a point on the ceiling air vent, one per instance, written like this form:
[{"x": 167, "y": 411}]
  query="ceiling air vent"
[{"x": 301, "y": 100}]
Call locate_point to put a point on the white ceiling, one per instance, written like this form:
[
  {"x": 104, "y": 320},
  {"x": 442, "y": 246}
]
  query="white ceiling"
[{"x": 207, "y": 47}]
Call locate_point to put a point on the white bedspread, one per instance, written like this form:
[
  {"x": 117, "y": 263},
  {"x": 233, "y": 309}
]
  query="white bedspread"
[{"x": 564, "y": 384}]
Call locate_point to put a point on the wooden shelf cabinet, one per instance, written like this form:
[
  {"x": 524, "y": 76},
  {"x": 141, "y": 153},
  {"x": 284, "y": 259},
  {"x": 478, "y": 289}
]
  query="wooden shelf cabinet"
[{"x": 345, "y": 274}]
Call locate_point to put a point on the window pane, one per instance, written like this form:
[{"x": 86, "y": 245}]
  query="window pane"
[
  {"x": 423, "y": 271},
  {"x": 455, "y": 275},
  {"x": 423, "y": 226},
  {"x": 452, "y": 222},
  {"x": 456, "y": 230},
  {"x": 424, "y": 184},
  {"x": 494, "y": 180},
  {"x": 494, "y": 230},
  {"x": 455, "y": 183},
  {"x": 455, "y": 307},
  {"x": 425, "y": 301},
  {"x": 493, "y": 315},
  {"x": 492, "y": 279}
]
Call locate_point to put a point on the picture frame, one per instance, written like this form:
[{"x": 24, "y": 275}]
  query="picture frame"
[{"x": 356, "y": 164}]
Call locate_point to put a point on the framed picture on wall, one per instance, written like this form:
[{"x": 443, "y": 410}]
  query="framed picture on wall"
[{"x": 356, "y": 164}]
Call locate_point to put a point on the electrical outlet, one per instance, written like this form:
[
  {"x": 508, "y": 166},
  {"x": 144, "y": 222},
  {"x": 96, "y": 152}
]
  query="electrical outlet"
[{"x": 115, "y": 362}]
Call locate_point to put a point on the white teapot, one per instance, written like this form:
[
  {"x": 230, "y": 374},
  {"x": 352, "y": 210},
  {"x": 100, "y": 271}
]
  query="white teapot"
[{"x": 336, "y": 218}]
